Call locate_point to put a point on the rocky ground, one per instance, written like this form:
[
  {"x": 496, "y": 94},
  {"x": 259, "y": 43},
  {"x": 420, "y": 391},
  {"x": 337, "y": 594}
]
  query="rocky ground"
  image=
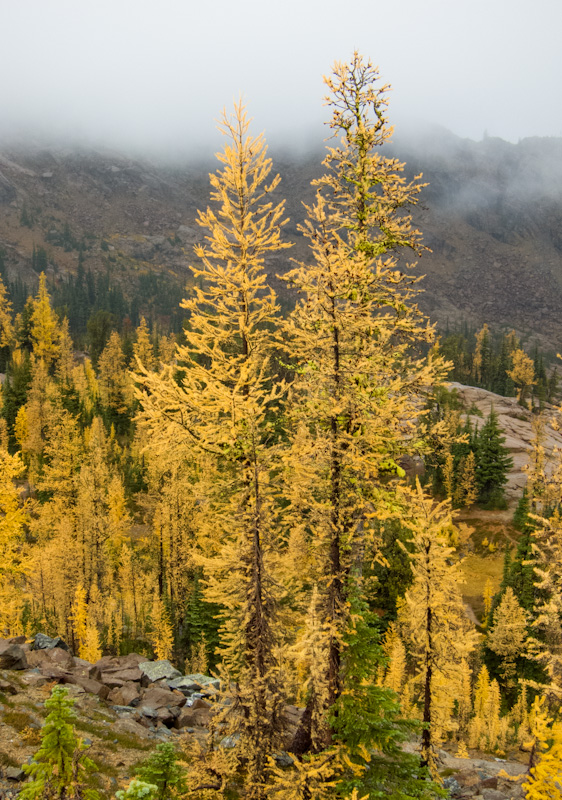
[{"x": 126, "y": 705}]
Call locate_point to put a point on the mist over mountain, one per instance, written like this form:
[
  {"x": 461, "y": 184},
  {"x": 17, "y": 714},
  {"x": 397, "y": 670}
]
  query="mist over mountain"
[{"x": 491, "y": 215}]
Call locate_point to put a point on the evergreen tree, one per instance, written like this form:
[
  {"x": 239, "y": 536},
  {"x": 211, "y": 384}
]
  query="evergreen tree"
[
  {"x": 59, "y": 767},
  {"x": 492, "y": 462},
  {"x": 162, "y": 770}
]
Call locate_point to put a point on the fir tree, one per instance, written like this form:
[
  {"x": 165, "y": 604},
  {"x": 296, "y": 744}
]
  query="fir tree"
[
  {"x": 492, "y": 462},
  {"x": 162, "y": 770},
  {"x": 59, "y": 767}
]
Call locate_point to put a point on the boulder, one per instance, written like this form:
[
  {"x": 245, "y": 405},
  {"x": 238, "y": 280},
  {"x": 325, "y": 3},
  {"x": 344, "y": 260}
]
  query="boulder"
[
  {"x": 15, "y": 774},
  {"x": 7, "y": 688},
  {"x": 193, "y": 683},
  {"x": 55, "y": 674},
  {"x": 162, "y": 698},
  {"x": 18, "y": 640},
  {"x": 468, "y": 778},
  {"x": 43, "y": 642},
  {"x": 89, "y": 685},
  {"x": 110, "y": 681},
  {"x": 190, "y": 718},
  {"x": 124, "y": 675},
  {"x": 155, "y": 670},
  {"x": 126, "y": 695},
  {"x": 111, "y": 663},
  {"x": 167, "y": 716},
  {"x": 131, "y": 727},
  {"x": 55, "y": 657},
  {"x": 200, "y": 703},
  {"x": 12, "y": 656},
  {"x": 492, "y": 794}
]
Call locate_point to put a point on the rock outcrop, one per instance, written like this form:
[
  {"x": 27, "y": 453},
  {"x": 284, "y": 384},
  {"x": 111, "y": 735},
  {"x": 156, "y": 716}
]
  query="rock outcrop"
[{"x": 516, "y": 423}]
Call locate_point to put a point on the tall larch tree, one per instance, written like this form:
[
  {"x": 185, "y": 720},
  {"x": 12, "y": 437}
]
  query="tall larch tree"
[
  {"x": 221, "y": 401},
  {"x": 355, "y": 398},
  {"x": 546, "y": 624},
  {"x": 13, "y": 558},
  {"x": 432, "y": 618},
  {"x": 44, "y": 326}
]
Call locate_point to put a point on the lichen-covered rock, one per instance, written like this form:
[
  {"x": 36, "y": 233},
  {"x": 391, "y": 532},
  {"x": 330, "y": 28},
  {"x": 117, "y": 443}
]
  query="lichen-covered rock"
[
  {"x": 193, "y": 683},
  {"x": 156, "y": 670},
  {"x": 43, "y": 642}
]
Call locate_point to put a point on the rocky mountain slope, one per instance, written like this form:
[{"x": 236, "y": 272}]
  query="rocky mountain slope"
[
  {"x": 126, "y": 705},
  {"x": 492, "y": 216}
]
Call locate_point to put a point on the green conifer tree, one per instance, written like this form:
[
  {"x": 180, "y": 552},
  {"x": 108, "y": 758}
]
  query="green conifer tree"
[
  {"x": 59, "y": 767},
  {"x": 492, "y": 462},
  {"x": 163, "y": 770}
]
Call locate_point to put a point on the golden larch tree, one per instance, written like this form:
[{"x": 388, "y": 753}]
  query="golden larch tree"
[
  {"x": 433, "y": 620},
  {"x": 220, "y": 401}
]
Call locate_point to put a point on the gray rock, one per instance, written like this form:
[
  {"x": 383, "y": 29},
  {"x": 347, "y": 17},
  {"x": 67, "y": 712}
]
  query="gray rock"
[
  {"x": 15, "y": 774},
  {"x": 492, "y": 794},
  {"x": 7, "y": 190},
  {"x": 156, "y": 670},
  {"x": 43, "y": 642},
  {"x": 452, "y": 786},
  {"x": 283, "y": 759},
  {"x": 230, "y": 741},
  {"x": 191, "y": 684},
  {"x": 12, "y": 656}
]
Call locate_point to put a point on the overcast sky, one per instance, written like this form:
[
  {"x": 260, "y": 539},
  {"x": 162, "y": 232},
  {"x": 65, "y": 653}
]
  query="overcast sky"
[{"x": 154, "y": 74}]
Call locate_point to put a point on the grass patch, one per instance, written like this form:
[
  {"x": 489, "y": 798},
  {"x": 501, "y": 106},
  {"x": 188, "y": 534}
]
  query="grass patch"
[
  {"x": 19, "y": 720},
  {"x": 8, "y": 761},
  {"x": 476, "y": 570},
  {"x": 113, "y": 739},
  {"x": 5, "y": 701},
  {"x": 446, "y": 773}
]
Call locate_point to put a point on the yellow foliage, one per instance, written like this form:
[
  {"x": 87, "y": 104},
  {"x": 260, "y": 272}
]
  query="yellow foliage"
[
  {"x": 545, "y": 781},
  {"x": 162, "y": 636}
]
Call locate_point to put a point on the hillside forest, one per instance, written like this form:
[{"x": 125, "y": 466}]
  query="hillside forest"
[{"x": 272, "y": 498}]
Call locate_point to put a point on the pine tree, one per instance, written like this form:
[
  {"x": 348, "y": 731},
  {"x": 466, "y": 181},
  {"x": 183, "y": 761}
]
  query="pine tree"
[
  {"x": 59, "y": 767},
  {"x": 223, "y": 406}
]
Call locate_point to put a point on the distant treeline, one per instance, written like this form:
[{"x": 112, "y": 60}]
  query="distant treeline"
[
  {"x": 497, "y": 362},
  {"x": 95, "y": 304}
]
